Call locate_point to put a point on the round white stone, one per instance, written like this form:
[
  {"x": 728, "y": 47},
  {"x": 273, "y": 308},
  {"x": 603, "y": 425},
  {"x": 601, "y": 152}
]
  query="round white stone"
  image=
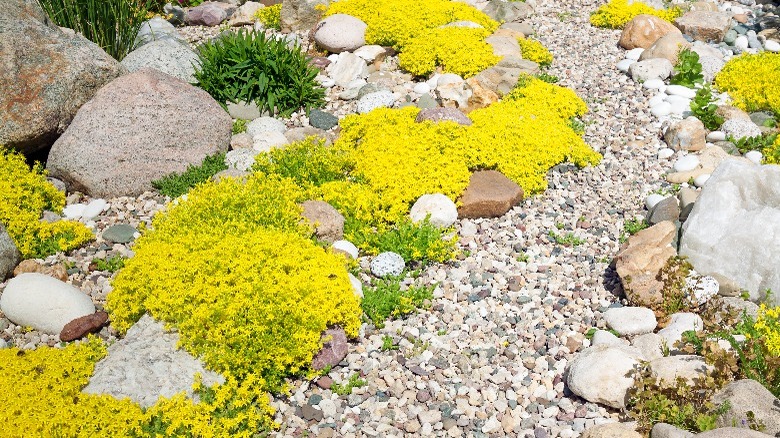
[
  {"x": 652, "y": 200},
  {"x": 347, "y": 247},
  {"x": 73, "y": 211},
  {"x": 43, "y": 303},
  {"x": 686, "y": 163},
  {"x": 700, "y": 180},
  {"x": 625, "y": 64},
  {"x": 662, "y": 109},
  {"x": 634, "y": 54},
  {"x": 755, "y": 156},
  {"x": 655, "y": 100},
  {"x": 772, "y": 46},
  {"x": 665, "y": 153},
  {"x": 340, "y": 32},
  {"x": 680, "y": 107},
  {"x": 677, "y": 99},
  {"x": 387, "y": 263},
  {"x": 741, "y": 42},
  {"x": 422, "y": 88},
  {"x": 679, "y": 90},
  {"x": 93, "y": 209},
  {"x": 263, "y": 124},
  {"x": 266, "y": 140},
  {"x": 448, "y": 79},
  {"x": 716, "y": 136},
  {"x": 654, "y": 84},
  {"x": 443, "y": 212},
  {"x": 630, "y": 321}
]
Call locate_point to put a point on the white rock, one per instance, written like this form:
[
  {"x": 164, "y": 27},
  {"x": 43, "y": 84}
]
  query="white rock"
[
  {"x": 740, "y": 128},
  {"x": 661, "y": 109},
  {"x": 634, "y": 54},
  {"x": 650, "y": 344},
  {"x": 241, "y": 159},
  {"x": 347, "y": 68},
  {"x": 448, "y": 79},
  {"x": 674, "y": 98},
  {"x": 93, "y": 209},
  {"x": 422, "y": 88},
  {"x": 655, "y": 84},
  {"x": 755, "y": 156},
  {"x": 655, "y": 100},
  {"x": 433, "y": 81},
  {"x": 772, "y": 46},
  {"x": 679, "y": 323},
  {"x": 741, "y": 42},
  {"x": 340, "y": 32},
  {"x": 679, "y": 90},
  {"x": 377, "y": 99},
  {"x": 599, "y": 374},
  {"x": 264, "y": 141},
  {"x": 347, "y": 247},
  {"x": 357, "y": 286},
  {"x": 369, "y": 53},
  {"x": 732, "y": 231},
  {"x": 625, "y": 64},
  {"x": 603, "y": 337},
  {"x": 689, "y": 367},
  {"x": 443, "y": 212},
  {"x": 653, "y": 199},
  {"x": 716, "y": 136},
  {"x": 686, "y": 163},
  {"x": 630, "y": 321},
  {"x": 680, "y": 107},
  {"x": 387, "y": 263},
  {"x": 326, "y": 82},
  {"x": 263, "y": 124},
  {"x": 665, "y": 153},
  {"x": 43, "y": 303},
  {"x": 656, "y": 68},
  {"x": 703, "y": 287},
  {"x": 700, "y": 180},
  {"x": 73, "y": 211}
]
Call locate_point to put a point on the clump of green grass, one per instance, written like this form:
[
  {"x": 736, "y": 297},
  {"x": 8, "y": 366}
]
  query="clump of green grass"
[
  {"x": 422, "y": 242},
  {"x": 388, "y": 300},
  {"x": 346, "y": 388},
  {"x": 110, "y": 264},
  {"x": 567, "y": 240},
  {"x": 175, "y": 185}
]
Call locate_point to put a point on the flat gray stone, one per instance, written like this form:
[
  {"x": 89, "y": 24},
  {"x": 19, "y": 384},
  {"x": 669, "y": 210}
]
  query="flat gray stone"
[
  {"x": 119, "y": 233},
  {"x": 9, "y": 254},
  {"x": 630, "y": 321}
]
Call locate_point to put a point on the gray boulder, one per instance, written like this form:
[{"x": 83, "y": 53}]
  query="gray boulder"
[
  {"x": 156, "y": 29},
  {"x": 749, "y": 396},
  {"x": 124, "y": 138},
  {"x": 146, "y": 365},
  {"x": 300, "y": 14},
  {"x": 9, "y": 254},
  {"x": 508, "y": 11},
  {"x": 166, "y": 55},
  {"x": 731, "y": 230},
  {"x": 207, "y": 14},
  {"x": 604, "y": 374},
  {"x": 47, "y": 74}
]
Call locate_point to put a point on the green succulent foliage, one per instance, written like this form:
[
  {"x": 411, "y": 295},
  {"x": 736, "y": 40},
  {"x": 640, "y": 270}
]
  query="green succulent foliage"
[
  {"x": 252, "y": 67},
  {"x": 757, "y": 143},
  {"x": 177, "y": 184},
  {"x": 388, "y": 300},
  {"x": 687, "y": 71},
  {"x": 703, "y": 107}
]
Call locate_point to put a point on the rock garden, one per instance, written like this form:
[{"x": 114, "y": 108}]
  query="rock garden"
[{"x": 316, "y": 218}]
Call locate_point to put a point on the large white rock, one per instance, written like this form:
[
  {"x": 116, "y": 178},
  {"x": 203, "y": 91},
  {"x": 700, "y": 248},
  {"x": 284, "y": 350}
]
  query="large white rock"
[
  {"x": 340, "y": 33},
  {"x": 346, "y": 68},
  {"x": 603, "y": 374},
  {"x": 630, "y": 321},
  {"x": 443, "y": 212},
  {"x": 680, "y": 323},
  {"x": 656, "y": 68},
  {"x": 43, "y": 303},
  {"x": 733, "y": 231}
]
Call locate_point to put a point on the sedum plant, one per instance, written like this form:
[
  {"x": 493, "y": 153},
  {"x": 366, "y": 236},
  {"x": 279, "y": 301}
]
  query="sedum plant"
[
  {"x": 534, "y": 51},
  {"x": 111, "y": 24},
  {"x": 270, "y": 16},
  {"x": 617, "y": 13},
  {"x": 752, "y": 81},
  {"x": 24, "y": 195},
  {"x": 252, "y": 67}
]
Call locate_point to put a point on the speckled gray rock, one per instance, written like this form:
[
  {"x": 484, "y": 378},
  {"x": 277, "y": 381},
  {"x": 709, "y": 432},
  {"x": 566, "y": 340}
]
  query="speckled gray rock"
[
  {"x": 443, "y": 114},
  {"x": 375, "y": 100},
  {"x": 663, "y": 430},
  {"x": 119, "y": 233},
  {"x": 117, "y": 144},
  {"x": 666, "y": 210},
  {"x": 440, "y": 210},
  {"x": 387, "y": 263},
  {"x": 146, "y": 365},
  {"x": 243, "y": 110},
  {"x": 47, "y": 74},
  {"x": 688, "y": 367},
  {"x": 322, "y": 120},
  {"x": 168, "y": 56},
  {"x": 503, "y": 11},
  {"x": 731, "y": 432},
  {"x": 241, "y": 159},
  {"x": 739, "y": 128},
  {"x": 705, "y": 26},
  {"x": 154, "y": 30},
  {"x": 43, "y": 303},
  {"x": 603, "y": 374},
  {"x": 749, "y": 395},
  {"x": 206, "y": 14},
  {"x": 9, "y": 254},
  {"x": 630, "y": 321},
  {"x": 650, "y": 344},
  {"x": 656, "y": 68},
  {"x": 340, "y": 33},
  {"x": 263, "y": 124}
]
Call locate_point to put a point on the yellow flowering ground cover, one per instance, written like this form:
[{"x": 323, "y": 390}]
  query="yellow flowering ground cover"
[
  {"x": 752, "y": 81},
  {"x": 270, "y": 16},
  {"x": 534, "y": 51},
  {"x": 617, "y": 13},
  {"x": 414, "y": 26},
  {"x": 768, "y": 327},
  {"x": 24, "y": 195}
]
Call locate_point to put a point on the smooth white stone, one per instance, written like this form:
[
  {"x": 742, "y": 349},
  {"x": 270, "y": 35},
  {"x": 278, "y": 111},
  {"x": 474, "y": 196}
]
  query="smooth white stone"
[
  {"x": 665, "y": 153},
  {"x": 93, "y": 209},
  {"x": 73, "y": 211},
  {"x": 772, "y": 46},
  {"x": 716, "y": 136},
  {"x": 655, "y": 100},
  {"x": 686, "y": 163},
  {"x": 624, "y": 65},
  {"x": 755, "y": 156},
  {"x": 654, "y": 84},
  {"x": 700, "y": 180},
  {"x": 347, "y": 247},
  {"x": 662, "y": 109},
  {"x": 653, "y": 199},
  {"x": 680, "y": 90},
  {"x": 422, "y": 88},
  {"x": 741, "y": 42},
  {"x": 634, "y": 54}
]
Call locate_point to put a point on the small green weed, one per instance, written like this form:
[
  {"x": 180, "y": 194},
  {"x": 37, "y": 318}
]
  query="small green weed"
[
  {"x": 388, "y": 344},
  {"x": 687, "y": 71},
  {"x": 239, "y": 126},
  {"x": 703, "y": 107},
  {"x": 550, "y": 79},
  {"x": 111, "y": 264},
  {"x": 422, "y": 242},
  {"x": 757, "y": 143},
  {"x": 388, "y": 300},
  {"x": 175, "y": 185},
  {"x": 631, "y": 227},
  {"x": 346, "y": 388},
  {"x": 568, "y": 240}
]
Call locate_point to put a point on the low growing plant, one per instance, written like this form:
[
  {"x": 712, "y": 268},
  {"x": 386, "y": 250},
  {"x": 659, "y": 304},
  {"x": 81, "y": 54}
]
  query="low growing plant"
[
  {"x": 687, "y": 71},
  {"x": 239, "y": 126},
  {"x": 111, "y": 264},
  {"x": 533, "y": 50},
  {"x": 569, "y": 239},
  {"x": 252, "y": 67},
  {"x": 270, "y": 16},
  {"x": 111, "y": 24},
  {"x": 387, "y": 299},
  {"x": 616, "y": 13},
  {"x": 757, "y": 143},
  {"x": 175, "y": 184},
  {"x": 346, "y": 388},
  {"x": 703, "y": 107},
  {"x": 752, "y": 81}
]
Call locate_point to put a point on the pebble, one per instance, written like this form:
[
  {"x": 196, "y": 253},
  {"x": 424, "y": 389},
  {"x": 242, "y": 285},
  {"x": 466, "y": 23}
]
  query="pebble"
[
  {"x": 387, "y": 264},
  {"x": 755, "y": 156},
  {"x": 686, "y": 163},
  {"x": 655, "y": 84},
  {"x": 653, "y": 199},
  {"x": 661, "y": 109},
  {"x": 772, "y": 46},
  {"x": 665, "y": 153},
  {"x": 679, "y": 90}
]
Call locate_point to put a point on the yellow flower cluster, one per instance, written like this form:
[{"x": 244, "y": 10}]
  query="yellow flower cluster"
[
  {"x": 231, "y": 409},
  {"x": 772, "y": 152},
  {"x": 534, "y": 51},
  {"x": 752, "y": 81},
  {"x": 768, "y": 327},
  {"x": 24, "y": 195},
  {"x": 233, "y": 270},
  {"x": 413, "y": 27},
  {"x": 270, "y": 16},
  {"x": 617, "y": 13}
]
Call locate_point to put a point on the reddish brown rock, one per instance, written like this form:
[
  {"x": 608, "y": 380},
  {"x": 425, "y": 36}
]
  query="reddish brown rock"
[
  {"x": 489, "y": 194},
  {"x": 31, "y": 266},
  {"x": 83, "y": 326},
  {"x": 644, "y": 30},
  {"x": 328, "y": 223},
  {"x": 325, "y": 382},
  {"x": 639, "y": 263},
  {"x": 334, "y": 349},
  {"x": 667, "y": 47}
]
